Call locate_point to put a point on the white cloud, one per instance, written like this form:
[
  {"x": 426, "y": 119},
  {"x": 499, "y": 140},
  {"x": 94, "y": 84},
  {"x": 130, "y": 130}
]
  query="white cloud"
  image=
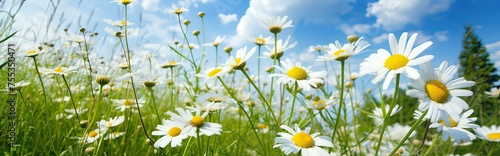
[
  {"x": 297, "y": 10},
  {"x": 441, "y": 35},
  {"x": 225, "y": 19},
  {"x": 380, "y": 39},
  {"x": 495, "y": 45},
  {"x": 395, "y": 14},
  {"x": 355, "y": 29},
  {"x": 151, "y": 5}
]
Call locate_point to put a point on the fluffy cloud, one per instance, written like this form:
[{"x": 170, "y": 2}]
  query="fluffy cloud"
[
  {"x": 297, "y": 10},
  {"x": 151, "y": 5},
  {"x": 495, "y": 45},
  {"x": 395, "y": 14},
  {"x": 380, "y": 39},
  {"x": 494, "y": 49},
  {"x": 355, "y": 29},
  {"x": 441, "y": 35},
  {"x": 225, "y": 19}
]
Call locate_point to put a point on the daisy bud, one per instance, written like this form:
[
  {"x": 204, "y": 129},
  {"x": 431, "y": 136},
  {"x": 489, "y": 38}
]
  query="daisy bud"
[
  {"x": 269, "y": 69},
  {"x": 309, "y": 96},
  {"x": 89, "y": 149},
  {"x": 125, "y": 2},
  {"x": 352, "y": 38},
  {"x": 187, "y": 22},
  {"x": 102, "y": 80},
  {"x": 176, "y": 42},
  {"x": 149, "y": 84},
  {"x": 349, "y": 84},
  {"x": 65, "y": 29},
  {"x": 228, "y": 49},
  {"x": 316, "y": 98},
  {"x": 118, "y": 34},
  {"x": 148, "y": 141},
  {"x": 264, "y": 84},
  {"x": 82, "y": 30},
  {"x": 40, "y": 48},
  {"x": 84, "y": 123},
  {"x": 201, "y": 14},
  {"x": 196, "y": 32},
  {"x": 170, "y": 82}
]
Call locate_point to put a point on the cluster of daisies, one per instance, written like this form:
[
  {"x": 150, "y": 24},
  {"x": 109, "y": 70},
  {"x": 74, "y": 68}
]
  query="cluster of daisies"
[{"x": 103, "y": 127}]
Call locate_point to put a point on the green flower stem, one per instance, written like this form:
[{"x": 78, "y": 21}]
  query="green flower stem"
[
  {"x": 200, "y": 152},
  {"x": 86, "y": 58},
  {"x": 425, "y": 137},
  {"x": 150, "y": 89},
  {"x": 43, "y": 86},
  {"x": 413, "y": 127},
  {"x": 432, "y": 145},
  {"x": 293, "y": 102},
  {"x": 493, "y": 148},
  {"x": 341, "y": 100},
  {"x": 132, "y": 81},
  {"x": 258, "y": 65},
  {"x": 187, "y": 146},
  {"x": 261, "y": 96},
  {"x": 127, "y": 118},
  {"x": 216, "y": 56},
  {"x": 271, "y": 92},
  {"x": 244, "y": 111},
  {"x": 71, "y": 96},
  {"x": 388, "y": 114}
]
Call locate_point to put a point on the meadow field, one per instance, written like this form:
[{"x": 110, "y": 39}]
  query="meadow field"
[{"x": 71, "y": 89}]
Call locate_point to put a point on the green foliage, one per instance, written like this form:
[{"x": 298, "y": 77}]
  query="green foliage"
[{"x": 475, "y": 65}]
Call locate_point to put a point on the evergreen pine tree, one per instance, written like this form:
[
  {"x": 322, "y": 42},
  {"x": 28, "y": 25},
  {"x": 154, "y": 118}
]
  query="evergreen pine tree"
[{"x": 475, "y": 65}]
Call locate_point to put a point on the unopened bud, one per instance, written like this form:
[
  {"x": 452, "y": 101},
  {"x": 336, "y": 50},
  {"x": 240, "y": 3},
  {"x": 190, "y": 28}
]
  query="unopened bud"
[
  {"x": 196, "y": 32},
  {"x": 102, "y": 80},
  {"x": 201, "y": 14},
  {"x": 352, "y": 38}
]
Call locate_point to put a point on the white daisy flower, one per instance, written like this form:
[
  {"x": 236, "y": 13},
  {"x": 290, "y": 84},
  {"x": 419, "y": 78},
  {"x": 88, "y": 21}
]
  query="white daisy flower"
[
  {"x": 240, "y": 60},
  {"x": 112, "y": 122},
  {"x": 276, "y": 24},
  {"x": 171, "y": 64},
  {"x": 113, "y": 135},
  {"x": 297, "y": 140},
  {"x": 59, "y": 70},
  {"x": 494, "y": 92},
  {"x": 127, "y": 103},
  {"x": 316, "y": 48},
  {"x": 378, "y": 113},
  {"x": 214, "y": 72},
  {"x": 172, "y": 134},
  {"x": 120, "y": 23},
  {"x": 438, "y": 91},
  {"x": 262, "y": 40},
  {"x": 279, "y": 49},
  {"x": 34, "y": 52},
  {"x": 298, "y": 74},
  {"x": 93, "y": 135},
  {"x": 76, "y": 38},
  {"x": 400, "y": 61},
  {"x": 177, "y": 10},
  {"x": 451, "y": 128},
  {"x": 216, "y": 42},
  {"x": 341, "y": 52},
  {"x": 491, "y": 133},
  {"x": 193, "y": 123},
  {"x": 318, "y": 103}
]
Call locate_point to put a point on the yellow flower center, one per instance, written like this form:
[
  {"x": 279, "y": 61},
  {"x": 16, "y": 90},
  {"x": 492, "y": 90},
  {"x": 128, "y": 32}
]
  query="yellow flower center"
[
  {"x": 178, "y": 11},
  {"x": 174, "y": 131},
  {"x": 493, "y": 136},
  {"x": 297, "y": 73},
  {"x": 128, "y": 102},
  {"x": 453, "y": 123},
  {"x": 116, "y": 133},
  {"x": 275, "y": 29},
  {"x": 122, "y": 23},
  {"x": 261, "y": 126},
  {"x": 260, "y": 41},
  {"x": 172, "y": 63},
  {"x": 338, "y": 52},
  {"x": 303, "y": 140},
  {"x": 109, "y": 124},
  {"x": 197, "y": 121},
  {"x": 396, "y": 61},
  {"x": 126, "y": 2},
  {"x": 214, "y": 72},
  {"x": 237, "y": 60},
  {"x": 31, "y": 52},
  {"x": 320, "y": 104},
  {"x": 437, "y": 91},
  {"x": 216, "y": 99},
  {"x": 93, "y": 134},
  {"x": 58, "y": 70}
]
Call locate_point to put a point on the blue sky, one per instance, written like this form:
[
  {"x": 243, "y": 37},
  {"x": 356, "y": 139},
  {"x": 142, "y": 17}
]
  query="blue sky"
[{"x": 315, "y": 22}]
